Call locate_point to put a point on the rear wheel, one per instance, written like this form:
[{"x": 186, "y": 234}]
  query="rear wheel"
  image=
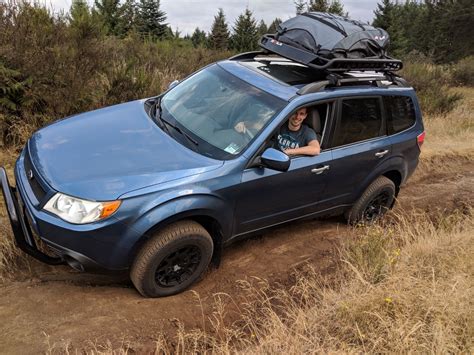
[
  {"x": 375, "y": 201},
  {"x": 172, "y": 260}
]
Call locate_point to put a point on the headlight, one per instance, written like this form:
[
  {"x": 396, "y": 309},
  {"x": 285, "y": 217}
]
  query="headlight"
[{"x": 75, "y": 210}]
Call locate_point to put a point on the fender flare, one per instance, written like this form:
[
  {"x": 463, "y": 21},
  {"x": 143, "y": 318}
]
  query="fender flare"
[
  {"x": 195, "y": 206},
  {"x": 395, "y": 163}
]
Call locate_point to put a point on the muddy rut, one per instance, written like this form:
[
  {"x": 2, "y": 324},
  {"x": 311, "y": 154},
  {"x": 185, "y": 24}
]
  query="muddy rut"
[{"x": 48, "y": 308}]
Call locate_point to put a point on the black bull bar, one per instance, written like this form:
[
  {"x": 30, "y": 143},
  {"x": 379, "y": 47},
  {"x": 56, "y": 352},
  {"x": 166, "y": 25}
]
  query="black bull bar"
[{"x": 20, "y": 226}]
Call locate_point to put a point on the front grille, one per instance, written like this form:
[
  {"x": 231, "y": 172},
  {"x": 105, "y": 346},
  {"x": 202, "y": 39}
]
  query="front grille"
[{"x": 32, "y": 179}]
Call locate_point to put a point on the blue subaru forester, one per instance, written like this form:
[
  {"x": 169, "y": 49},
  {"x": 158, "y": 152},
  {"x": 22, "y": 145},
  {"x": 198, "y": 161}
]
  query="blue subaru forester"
[{"x": 159, "y": 186}]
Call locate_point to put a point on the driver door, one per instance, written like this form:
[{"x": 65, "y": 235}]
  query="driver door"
[{"x": 267, "y": 197}]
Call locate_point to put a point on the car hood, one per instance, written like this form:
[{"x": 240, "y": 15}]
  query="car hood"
[{"x": 101, "y": 155}]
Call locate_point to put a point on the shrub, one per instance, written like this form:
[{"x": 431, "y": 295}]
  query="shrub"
[
  {"x": 463, "y": 72},
  {"x": 52, "y": 67},
  {"x": 432, "y": 85}
]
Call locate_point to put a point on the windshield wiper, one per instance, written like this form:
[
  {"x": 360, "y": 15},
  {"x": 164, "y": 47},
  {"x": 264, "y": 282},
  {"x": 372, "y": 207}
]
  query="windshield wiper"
[{"x": 166, "y": 123}]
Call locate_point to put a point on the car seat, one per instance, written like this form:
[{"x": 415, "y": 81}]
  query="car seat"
[{"x": 313, "y": 120}]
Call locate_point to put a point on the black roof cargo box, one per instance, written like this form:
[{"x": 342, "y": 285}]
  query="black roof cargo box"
[{"x": 331, "y": 42}]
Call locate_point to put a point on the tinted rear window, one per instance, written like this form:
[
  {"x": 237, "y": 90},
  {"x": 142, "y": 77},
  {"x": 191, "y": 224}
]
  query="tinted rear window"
[
  {"x": 400, "y": 113},
  {"x": 360, "y": 119}
]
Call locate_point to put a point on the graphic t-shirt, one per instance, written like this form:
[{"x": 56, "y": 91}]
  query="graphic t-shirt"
[{"x": 295, "y": 139}]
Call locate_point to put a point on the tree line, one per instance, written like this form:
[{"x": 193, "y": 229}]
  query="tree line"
[
  {"x": 146, "y": 18},
  {"x": 439, "y": 29}
]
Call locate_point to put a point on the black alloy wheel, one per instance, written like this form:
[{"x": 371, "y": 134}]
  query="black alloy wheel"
[
  {"x": 172, "y": 260},
  {"x": 377, "y": 206},
  {"x": 377, "y": 199},
  {"x": 177, "y": 267}
]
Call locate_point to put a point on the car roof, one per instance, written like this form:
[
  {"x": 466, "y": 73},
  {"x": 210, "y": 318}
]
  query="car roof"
[{"x": 286, "y": 79}]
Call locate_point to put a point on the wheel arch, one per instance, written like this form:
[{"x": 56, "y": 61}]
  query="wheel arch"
[
  {"x": 214, "y": 225},
  {"x": 396, "y": 177}
]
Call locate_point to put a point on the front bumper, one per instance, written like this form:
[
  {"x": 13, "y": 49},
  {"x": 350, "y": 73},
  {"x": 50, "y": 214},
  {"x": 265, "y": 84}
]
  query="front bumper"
[
  {"x": 99, "y": 246},
  {"x": 21, "y": 229}
]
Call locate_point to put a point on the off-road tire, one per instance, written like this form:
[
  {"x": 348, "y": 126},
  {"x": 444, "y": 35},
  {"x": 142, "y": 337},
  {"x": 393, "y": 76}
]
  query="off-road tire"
[
  {"x": 156, "y": 254},
  {"x": 382, "y": 186}
]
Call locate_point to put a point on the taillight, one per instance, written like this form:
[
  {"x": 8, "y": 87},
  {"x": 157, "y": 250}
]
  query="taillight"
[{"x": 420, "y": 139}]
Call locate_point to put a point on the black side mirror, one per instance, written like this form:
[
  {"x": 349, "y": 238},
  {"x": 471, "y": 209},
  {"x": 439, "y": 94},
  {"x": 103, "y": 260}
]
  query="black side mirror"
[
  {"x": 275, "y": 159},
  {"x": 173, "y": 84}
]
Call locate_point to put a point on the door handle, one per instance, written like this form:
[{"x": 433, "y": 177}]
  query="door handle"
[
  {"x": 318, "y": 171},
  {"x": 381, "y": 154}
]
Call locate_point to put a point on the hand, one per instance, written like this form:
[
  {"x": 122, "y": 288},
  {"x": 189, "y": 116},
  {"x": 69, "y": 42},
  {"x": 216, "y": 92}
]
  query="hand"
[{"x": 240, "y": 127}]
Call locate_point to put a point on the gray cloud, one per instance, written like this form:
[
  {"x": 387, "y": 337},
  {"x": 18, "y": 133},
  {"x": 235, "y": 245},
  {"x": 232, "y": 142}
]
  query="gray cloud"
[{"x": 186, "y": 15}]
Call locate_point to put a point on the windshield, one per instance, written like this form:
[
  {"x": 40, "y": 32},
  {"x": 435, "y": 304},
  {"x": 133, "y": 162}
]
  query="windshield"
[{"x": 224, "y": 112}]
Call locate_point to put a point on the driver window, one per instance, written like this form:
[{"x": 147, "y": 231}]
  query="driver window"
[{"x": 314, "y": 120}]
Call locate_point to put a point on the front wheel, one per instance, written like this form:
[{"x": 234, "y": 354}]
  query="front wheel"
[
  {"x": 172, "y": 260},
  {"x": 375, "y": 201}
]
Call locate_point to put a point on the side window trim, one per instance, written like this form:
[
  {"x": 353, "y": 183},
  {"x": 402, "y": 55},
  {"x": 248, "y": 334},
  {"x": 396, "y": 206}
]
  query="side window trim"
[
  {"x": 337, "y": 120},
  {"x": 385, "y": 108},
  {"x": 330, "y": 114}
]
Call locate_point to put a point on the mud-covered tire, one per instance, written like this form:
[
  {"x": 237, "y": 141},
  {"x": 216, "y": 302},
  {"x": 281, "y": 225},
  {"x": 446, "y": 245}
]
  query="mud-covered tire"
[
  {"x": 172, "y": 260},
  {"x": 377, "y": 199}
]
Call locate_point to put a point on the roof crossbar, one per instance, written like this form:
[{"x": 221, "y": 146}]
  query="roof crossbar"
[{"x": 337, "y": 80}]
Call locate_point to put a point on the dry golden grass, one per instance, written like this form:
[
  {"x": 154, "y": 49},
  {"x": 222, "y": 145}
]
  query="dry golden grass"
[
  {"x": 403, "y": 287},
  {"x": 452, "y": 133}
]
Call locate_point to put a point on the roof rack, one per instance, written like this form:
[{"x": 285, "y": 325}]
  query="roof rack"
[
  {"x": 313, "y": 60},
  {"x": 337, "y": 80},
  {"x": 333, "y": 79},
  {"x": 247, "y": 55}
]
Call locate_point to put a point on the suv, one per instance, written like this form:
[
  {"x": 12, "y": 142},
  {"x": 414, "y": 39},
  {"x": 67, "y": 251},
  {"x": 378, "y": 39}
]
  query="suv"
[{"x": 158, "y": 186}]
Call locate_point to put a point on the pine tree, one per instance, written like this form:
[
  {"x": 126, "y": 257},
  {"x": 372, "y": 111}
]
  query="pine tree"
[
  {"x": 83, "y": 22},
  {"x": 109, "y": 12},
  {"x": 337, "y": 8},
  {"x": 301, "y": 6},
  {"x": 151, "y": 19},
  {"x": 384, "y": 15},
  {"x": 245, "y": 37},
  {"x": 219, "y": 36},
  {"x": 128, "y": 18},
  {"x": 198, "y": 38},
  {"x": 318, "y": 5},
  {"x": 262, "y": 28},
  {"x": 273, "y": 28}
]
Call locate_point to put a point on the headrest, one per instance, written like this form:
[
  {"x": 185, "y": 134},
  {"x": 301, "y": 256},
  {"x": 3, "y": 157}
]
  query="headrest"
[{"x": 313, "y": 120}]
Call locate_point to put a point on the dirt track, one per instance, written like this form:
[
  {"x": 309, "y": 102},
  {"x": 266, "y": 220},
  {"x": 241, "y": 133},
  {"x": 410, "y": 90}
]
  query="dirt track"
[{"x": 85, "y": 310}]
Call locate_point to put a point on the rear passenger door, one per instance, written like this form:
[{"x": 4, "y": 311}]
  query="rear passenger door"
[{"x": 359, "y": 143}]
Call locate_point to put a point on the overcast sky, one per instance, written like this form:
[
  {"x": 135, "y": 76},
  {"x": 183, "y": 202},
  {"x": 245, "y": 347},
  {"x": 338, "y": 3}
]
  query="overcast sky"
[{"x": 186, "y": 15}]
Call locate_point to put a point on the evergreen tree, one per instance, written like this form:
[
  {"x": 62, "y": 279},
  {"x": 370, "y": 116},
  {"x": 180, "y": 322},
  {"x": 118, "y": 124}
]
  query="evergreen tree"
[
  {"x": 198, "y": 38},
  {"x": 318, "y": 5},
  {"x": 390, "y": 17},
  {"x": 109, "y": 12},
  {"x": 273, "y": 28},
  {"x": 333, "y": 7},
  {"x": 151, "y": 19},
  {"x": 384, "y": 15},
  {"x": 301, "y": 6},
  {"x": 245, "y": 37},
  {"x": 219, "y": 36},
  {"x": 337, "y": 8},
  {"x": 262, "y": 28},
  {"x": 128, "y": 18},
  {"x": 83, "y": 22}
]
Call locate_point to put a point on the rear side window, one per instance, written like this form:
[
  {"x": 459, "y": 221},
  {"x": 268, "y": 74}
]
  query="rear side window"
[
  {"x": 360, "y": 119},
  {"x": 400, "y": 113}
]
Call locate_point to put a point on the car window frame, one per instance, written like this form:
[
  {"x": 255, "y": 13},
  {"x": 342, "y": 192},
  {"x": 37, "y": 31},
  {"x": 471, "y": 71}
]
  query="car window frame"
[
  {"x": 254, "y": 161},
  {"x": 336, "y": 121},
  {"x": 386, "y": 113}
]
